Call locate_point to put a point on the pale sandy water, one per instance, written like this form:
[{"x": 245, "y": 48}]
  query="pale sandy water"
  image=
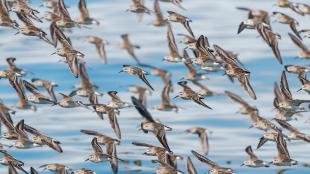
[{"x": 216, "y": 19}]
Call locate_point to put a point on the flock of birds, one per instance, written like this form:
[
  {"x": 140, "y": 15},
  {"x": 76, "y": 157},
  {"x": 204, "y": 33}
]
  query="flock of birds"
[{"x": 198, "y": 54}]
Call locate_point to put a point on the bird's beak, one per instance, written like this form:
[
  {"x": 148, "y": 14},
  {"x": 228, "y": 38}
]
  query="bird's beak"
[
  {"x": 175, "y": 97},
  {"x": 242, "y": 164},
  {"x": 53, "y": 53},
  {"x": 299, "y": 89}
]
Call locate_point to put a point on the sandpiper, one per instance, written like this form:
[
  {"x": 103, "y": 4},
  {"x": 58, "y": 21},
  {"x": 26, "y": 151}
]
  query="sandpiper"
[
  {"x": 55, "y": 167},
  {"x": 47, "y": 85},
  {"x": 286, "y": 19},
  {"x": 139, "y": 8},
  {"x": 5, "y": 109},
  {"x": 173, "y": 55},
  {"x": 203, "y": 137},
  {"x": 141, "y": 91},
  {"x": 33, "y": 171},
  {"x": 129, "y": 47},
  {"x": 294, "y": 133},
  {"x": 283, "y": 158},
  {"x": 52, "y": 4},
  {"x": 161, "y": 153},
  {"x": 19, "y": 88},
  {"x": 84, "y": 15},
  {"x": 83, "y": 171},
  {"x": 267, "y": 136},
  {"x": 102, "y": 138},
  {"x": 189, "y": 41},
  {"x": 165, "y": 104},
  {"x": 158, "y": 130},
  {"x": 192, "y": 73},
  {"x": 112, "y": 114},
  {"x": 165, "y": 75},
  {"x": 271, "y": 38},
  {"x": 67, "y": 51},
  {"x": 304, "y": 50},
  {"x": 190, "y": 166},
  {"x": 11, "y": 169},
  {"x": 189, "y": 94},
  {"x": 42, "y": 139},
  {"x": 110, "y": 144},
  {"x": 255, "y": 16},
  {"x": 98, "y": 155},
  {"x": 305, "y": 32},
  {"x": 246, "y": 108},
  {"x": 22, "y": 6},
  {"x": 101, "y": 109},
  {"x": 7, "y": 121},
  {"x": 100, "y": 47},
  {"x": 304, "y": 8},
  {"x": 51, "y": 16},
  {"x": 286, "y": 115},
  {"x": 175, "y": 2},
  {"x": 150, "y": 125},
  {"x": 23, "y": 141},
  {"x": 297, "y": 69},
  {"x": 133, "y": 70},
  {"x": 68, "y": 102},
  {"x": 305, "y": 83},
  {"x": 253, "y": 161},
  {"x": 30, "y": 29},
  {"x": 215, "y": 168},
  {"x": 159, "y": 19},
  {"x": 176, "y": 17},
  {"x": 37, "y": 97},
  {"x": 116, "y": 102},
  {"x": 13, "y": 67},
  {"x": 65, "y": 20},
  {"x": 290, "y": 5},
  {"x": 8, "y": 159},
  {"x": 284, "y": 97},
  {"x": 85, "y": 87},
  {"x": 262, "y": 123},
  {"x": 234, "y": 69},
  {"x": 204, "y": 56},
  {"x": 165, "y": 168},
  {"x": 5, "y": 19},
  {"x": 204, "y": 90}
]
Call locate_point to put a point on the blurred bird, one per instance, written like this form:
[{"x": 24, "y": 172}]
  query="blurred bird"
[
  {"x": 84, "y": 15},
  {"x": 203, "y": 137},
  {"x": 100, "y": 47},
  {"x": 127, "y": 45}
]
